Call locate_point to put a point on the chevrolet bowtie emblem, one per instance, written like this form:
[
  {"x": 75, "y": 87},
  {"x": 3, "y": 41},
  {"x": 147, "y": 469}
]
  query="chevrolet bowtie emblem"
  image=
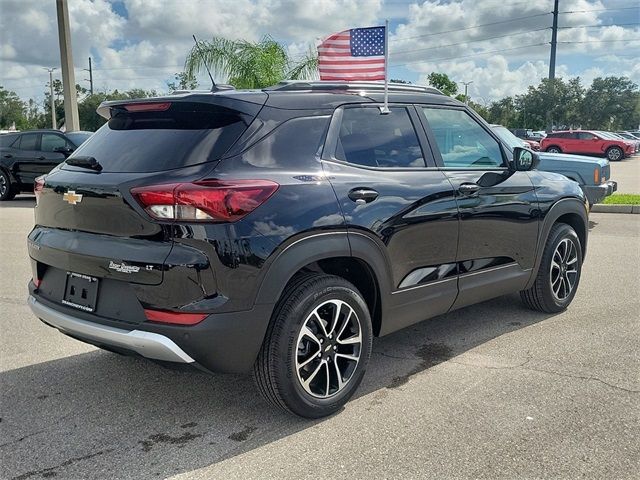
[{"x": 72, "y": 197}]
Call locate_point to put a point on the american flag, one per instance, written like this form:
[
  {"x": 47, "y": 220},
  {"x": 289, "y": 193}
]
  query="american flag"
[{"x": 353, "y": 55}]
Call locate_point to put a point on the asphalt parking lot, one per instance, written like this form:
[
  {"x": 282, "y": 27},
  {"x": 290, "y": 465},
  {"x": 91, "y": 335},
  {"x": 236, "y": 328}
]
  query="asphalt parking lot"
[{"x": 490, "y": 391}]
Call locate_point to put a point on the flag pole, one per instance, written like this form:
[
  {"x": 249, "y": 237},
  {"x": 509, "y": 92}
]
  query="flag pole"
[{"x": 385, "y": 109}]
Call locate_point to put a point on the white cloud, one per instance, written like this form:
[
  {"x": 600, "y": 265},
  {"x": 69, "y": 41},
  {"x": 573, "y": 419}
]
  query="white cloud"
[{"x": 147, "y": 48}]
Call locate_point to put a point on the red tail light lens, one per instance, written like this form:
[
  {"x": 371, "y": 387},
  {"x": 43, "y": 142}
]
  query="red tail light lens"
[
  {"x": 38, "y": 185},
  {"x": 207, "y": 201},
  {"x": 175, "y": 318}
]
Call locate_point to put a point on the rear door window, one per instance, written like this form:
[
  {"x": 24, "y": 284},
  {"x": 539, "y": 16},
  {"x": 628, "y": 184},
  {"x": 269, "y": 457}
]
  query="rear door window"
[
  {"x": 184, "y": 134},
  {"x": 29, "y": 141},
  {"x": 371, "y": 139}
]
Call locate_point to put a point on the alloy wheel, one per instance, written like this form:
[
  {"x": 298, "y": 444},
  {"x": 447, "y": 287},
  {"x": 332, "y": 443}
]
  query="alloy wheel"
[
  {"x": 3, "y": 185},
  {"x": 564, "y": 269},
  {"x": 328, "y": 349},
  {"x": 614, "y": 154}
]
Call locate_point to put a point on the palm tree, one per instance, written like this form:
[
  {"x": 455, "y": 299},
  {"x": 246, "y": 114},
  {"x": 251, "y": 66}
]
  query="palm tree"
[{"x": 248, "y": 64}]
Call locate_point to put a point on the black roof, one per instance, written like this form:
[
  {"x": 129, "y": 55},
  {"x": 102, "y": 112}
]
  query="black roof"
[{"x": 301, "y": 95}]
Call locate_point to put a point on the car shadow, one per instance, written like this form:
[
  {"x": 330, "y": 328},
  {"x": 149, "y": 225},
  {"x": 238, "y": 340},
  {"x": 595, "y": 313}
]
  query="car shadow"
[
  {"x": 96, "y": 412},
  {"x": 20, "y": 201}
]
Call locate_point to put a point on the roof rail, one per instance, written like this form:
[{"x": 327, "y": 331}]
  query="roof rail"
[{"x": 297, "y": 85}]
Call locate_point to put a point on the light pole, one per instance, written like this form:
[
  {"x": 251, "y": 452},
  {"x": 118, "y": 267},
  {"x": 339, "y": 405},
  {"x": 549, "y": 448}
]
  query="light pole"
[
  {"x": 53, "y": 106},
  {"x": 71, "y": 121},
  {"x": 466, "y": 87}
]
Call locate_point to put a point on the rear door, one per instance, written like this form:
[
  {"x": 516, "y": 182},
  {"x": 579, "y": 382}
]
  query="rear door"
[
  {"x": 390, "y": 191},
  {"x": 50, "y": 152},
  {"x": 26, "y": 156},
  {"x": 498, "y": 207}
]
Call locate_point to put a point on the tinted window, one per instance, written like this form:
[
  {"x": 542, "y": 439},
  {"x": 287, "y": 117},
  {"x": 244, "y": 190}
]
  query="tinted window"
[
  {"x": 185, "y": 134},
  {"x": 50, "y": 142},
  {"x": 568, "y": 135},
  {"x": 462, "y": 141},
  {"x": 294, "y": 143},
  {"x": 7, "y": 139},
  {"x": 371, "y": 139},
  {"x": 586, "y": 136},
  {"x": 29, "y": 141},
  {"x": 78, "y": 138}
]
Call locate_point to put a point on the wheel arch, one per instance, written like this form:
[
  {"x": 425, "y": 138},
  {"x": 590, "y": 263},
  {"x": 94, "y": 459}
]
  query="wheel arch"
[
  {"x": 570, "y": 211},
  {"x": 356, "y": 258}
]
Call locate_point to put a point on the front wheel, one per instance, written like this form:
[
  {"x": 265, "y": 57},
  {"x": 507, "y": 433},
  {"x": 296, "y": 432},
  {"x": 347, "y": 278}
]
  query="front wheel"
[
  {"x": 317, "y": 346},
  {"x": 554, "y": 150},
  {"x": 559, "y": 272},
  {"x": 614, "y": 154},
  {"x": 7, "y": 191}
]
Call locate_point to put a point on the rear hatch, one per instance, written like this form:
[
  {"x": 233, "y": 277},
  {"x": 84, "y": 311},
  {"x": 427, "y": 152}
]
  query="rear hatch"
[{"x": 87, "y": 221}]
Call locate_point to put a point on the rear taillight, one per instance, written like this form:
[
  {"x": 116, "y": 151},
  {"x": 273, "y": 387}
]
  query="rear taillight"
[
  {"x": 38, "y": 185},
  {"x": 206, "y": 201},
  {"x": 175, "y": 318}
]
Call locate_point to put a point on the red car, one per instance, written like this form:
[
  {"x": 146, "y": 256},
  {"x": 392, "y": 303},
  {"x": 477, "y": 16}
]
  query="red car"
[
  {"x": 532, "y": 144},
  {"x": 586, "y": 142}
]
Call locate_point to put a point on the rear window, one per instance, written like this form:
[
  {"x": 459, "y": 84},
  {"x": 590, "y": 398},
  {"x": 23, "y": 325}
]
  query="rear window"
[{"x": 185, "y": 134}]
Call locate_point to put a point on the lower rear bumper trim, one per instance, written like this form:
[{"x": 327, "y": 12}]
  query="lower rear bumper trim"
[{"x": 148, "y": 344}]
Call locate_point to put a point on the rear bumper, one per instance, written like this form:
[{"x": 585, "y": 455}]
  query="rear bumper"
[
  {"x": 148, "y": 344},
  {"x": 597, "y": 193},
  {"x": 225, "y": 342}
]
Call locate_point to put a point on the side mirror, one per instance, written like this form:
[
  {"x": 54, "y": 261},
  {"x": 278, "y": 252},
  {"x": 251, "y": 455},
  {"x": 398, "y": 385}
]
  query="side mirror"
[
  {"x": 66, "y": 151},
  {"x": 524, "y": 159}
]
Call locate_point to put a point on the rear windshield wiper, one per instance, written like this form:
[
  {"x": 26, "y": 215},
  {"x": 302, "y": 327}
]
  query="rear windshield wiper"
[{"x": 84, "y": 162}]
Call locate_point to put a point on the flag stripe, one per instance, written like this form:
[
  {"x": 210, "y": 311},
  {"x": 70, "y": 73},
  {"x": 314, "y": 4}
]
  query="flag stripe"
[{"x": 355, "y": 61}]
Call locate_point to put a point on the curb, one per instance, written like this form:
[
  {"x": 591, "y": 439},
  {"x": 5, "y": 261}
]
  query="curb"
[{"x": 609, "y": 208}]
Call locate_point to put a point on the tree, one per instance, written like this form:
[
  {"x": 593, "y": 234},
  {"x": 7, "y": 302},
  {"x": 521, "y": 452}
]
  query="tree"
[
  {"x": 89, "y": 118},
  {"x": 443, "y": 83},
  {"x": 248, "y": 64},
  {"x": 611, "y": 103},
  {"x": 184, "y": 82}
]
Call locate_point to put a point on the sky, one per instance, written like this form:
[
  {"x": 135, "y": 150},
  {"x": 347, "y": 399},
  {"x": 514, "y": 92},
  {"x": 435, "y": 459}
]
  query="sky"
[{"x": 501, "y": 46}]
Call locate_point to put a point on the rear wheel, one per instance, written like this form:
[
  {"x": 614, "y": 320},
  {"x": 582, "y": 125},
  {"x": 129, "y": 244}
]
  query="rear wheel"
[
  {"x": 317, "y": 346},
  {"x": 558, "y": 274},
  {"x": 554, "y": 149},
  {"x": 614, "y": 154},
  {"x": 7, "y": 190}
]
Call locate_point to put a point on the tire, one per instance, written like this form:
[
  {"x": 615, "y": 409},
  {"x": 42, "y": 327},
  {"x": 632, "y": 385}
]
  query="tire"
[
  {"x": 554, "y": 149},
  {"x": 614, "y": 154},
  {"x": 559, "y": 273},
  {"x": 7, "y": 190},
  {"x": 288, "y": 371}
]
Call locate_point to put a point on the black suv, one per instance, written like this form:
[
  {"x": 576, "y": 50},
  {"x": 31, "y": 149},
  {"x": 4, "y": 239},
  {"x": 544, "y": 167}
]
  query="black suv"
[
  {"x": 27, "y": 155},
  {"x": 280, "y": 230}
]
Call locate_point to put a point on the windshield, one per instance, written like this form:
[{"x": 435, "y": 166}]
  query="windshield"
[
  {"x": 78, "y": 138},
  {"x": 507, "y": 137}
]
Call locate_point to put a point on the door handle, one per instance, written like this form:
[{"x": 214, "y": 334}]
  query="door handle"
[
  {"x": 362, "y": 195},
  {"x": 8, "y": 155},
  {"x": 468, "y": 188}
]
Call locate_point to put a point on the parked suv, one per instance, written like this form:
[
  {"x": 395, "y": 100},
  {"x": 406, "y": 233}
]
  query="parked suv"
[
  {"x": 280, "y": 230},
  {"x": 588, "y": 143},
  {"x": 27, "y": 155}
]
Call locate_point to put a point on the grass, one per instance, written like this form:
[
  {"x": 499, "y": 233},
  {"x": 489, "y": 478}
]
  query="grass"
[{"x": 622, "y": 199}]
